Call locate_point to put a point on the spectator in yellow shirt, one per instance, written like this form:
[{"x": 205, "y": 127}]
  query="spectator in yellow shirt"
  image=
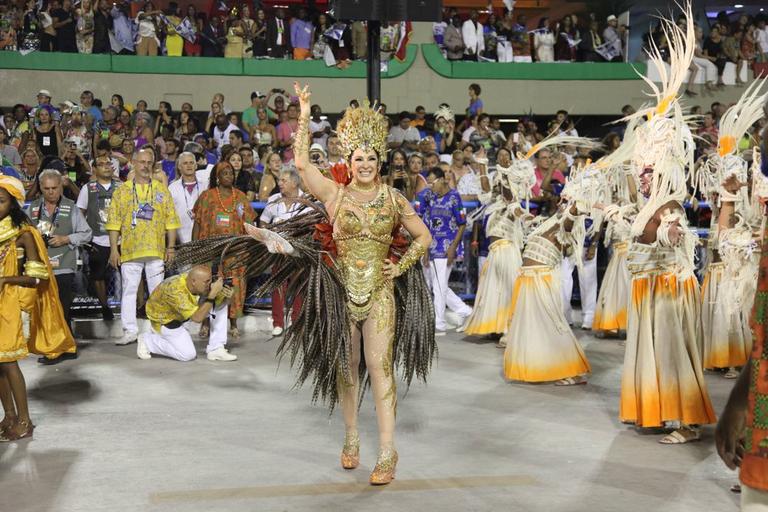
[
  {"x": 143, "y": 220},
  {"x": 178, "y": 300}
]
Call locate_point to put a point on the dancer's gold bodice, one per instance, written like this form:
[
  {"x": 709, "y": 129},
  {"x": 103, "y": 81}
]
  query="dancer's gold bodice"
[{"x": 363, "y": 235}]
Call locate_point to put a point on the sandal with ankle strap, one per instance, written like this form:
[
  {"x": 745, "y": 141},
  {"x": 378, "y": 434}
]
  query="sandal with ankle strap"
[{"x": 8, "y": 435}]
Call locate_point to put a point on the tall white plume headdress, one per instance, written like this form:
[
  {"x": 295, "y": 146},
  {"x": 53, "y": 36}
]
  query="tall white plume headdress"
[{"x": 664, "y": 142}]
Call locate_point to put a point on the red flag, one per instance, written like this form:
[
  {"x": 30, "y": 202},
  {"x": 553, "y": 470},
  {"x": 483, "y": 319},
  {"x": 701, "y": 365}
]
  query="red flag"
[{"x": 402, "y": 45}]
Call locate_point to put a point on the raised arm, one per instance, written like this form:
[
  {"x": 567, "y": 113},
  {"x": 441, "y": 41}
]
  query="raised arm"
[
  {"x": 318, "y": 185},
  {"x": 728, "y": 197}
]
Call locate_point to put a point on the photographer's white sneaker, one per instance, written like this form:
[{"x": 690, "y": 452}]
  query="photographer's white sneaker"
[
  {"x": 128, "y": 338},
  {"x": 142, "y": 351},
  {"x": 221, "y": 354}
]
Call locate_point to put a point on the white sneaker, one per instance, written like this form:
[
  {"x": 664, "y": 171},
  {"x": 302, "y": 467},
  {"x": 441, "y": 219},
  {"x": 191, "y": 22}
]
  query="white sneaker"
[
  {"x": 142, "y": 351},
  {"x": 221, "y": 354},
  {"x": 128, "y": 338},
  {"x": 277, "y": 331},
  {"x": 438, "y": 332}
]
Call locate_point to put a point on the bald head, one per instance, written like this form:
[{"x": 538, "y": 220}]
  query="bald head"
[{"x": 199, "y": 280}]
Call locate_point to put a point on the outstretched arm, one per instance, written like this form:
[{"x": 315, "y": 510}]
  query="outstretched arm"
[
  {"x": 318, "y": 185},
  {"x": 728, "y": 197}
]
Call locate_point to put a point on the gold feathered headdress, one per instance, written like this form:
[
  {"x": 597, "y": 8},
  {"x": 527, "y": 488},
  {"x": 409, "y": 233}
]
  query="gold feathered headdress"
[{"x": 363, "y": 127}]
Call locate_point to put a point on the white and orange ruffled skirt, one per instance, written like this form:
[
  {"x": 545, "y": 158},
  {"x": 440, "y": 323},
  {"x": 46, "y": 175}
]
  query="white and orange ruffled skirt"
[
  {"x": 726, "y": 339},
  {"x": 493, "y": 303},
  {"x": 663, "y": 379},
  {"x": 540, "y": 345},
  {"x": 611, "y": 308}
]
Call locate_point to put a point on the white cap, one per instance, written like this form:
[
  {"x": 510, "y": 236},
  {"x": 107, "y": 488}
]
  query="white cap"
[
  {"x": 44, "y": 92},
  {"x": 611, "y": 18},
  {"x": 317, "y": 147}
]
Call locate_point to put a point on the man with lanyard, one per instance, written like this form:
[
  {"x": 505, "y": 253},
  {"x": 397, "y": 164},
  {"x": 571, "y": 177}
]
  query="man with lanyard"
[
  {"x": 64, "y": 229},
  {"x": 142, "y": 216},
  {"x": 281, "y": 207},
  {"x": 441, "y": 209},
  {"x": 178, "y": 300},
  {"x": 94, "y": 202},
  {"x": 185, "y": 192}
]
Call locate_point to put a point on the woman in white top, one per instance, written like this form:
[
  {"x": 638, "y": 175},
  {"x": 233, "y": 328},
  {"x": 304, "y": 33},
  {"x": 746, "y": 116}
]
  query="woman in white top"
[
  {"x": 544, "y": 42},
  {"x": 147, "y": 43},
  {"x": 263, "y": 132}
]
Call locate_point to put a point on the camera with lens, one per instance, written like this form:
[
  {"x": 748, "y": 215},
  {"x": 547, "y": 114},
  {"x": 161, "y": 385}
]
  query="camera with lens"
[
  {"x": 47, "y": 239},
  {"x": 228, "y": 282}
]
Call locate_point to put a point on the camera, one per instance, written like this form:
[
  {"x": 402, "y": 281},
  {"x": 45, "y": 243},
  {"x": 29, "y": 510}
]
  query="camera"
[
  {"x": 46, "y": 239},
  {"x": 228, "y": 282}
]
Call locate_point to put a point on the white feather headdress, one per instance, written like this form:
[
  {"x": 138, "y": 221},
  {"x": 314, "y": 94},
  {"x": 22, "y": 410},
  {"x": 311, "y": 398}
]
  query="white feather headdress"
[{"x": 665, "y": 142}]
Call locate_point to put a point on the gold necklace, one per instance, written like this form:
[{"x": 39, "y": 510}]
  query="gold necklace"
[{"x": 354, "y": 185}]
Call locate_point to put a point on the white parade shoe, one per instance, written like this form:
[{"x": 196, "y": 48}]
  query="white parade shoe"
[
  {"x": 221, "y": 354},
  {"x": 128, "y": 338},
  {"x": 277, "y": 331},
  {"x": 142, "y": 352}
]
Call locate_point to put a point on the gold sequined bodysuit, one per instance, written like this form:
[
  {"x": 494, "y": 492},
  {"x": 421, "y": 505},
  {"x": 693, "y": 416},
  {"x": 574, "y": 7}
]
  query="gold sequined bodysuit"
[{"x": 363, "y": 235}]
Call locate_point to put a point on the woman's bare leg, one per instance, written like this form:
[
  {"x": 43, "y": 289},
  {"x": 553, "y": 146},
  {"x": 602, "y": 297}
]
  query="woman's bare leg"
[
  {"x": 18, "y": 386},
  {"x": 351, "y": 390},
  {"x": 378, "y": 335},
  {"x": 6, "y": 397}
]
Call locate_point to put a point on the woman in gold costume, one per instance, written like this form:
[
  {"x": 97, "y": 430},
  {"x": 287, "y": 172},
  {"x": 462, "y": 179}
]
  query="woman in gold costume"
[
  {"x": 25, "y": 287},
  {"x": 354, "y": 257}
]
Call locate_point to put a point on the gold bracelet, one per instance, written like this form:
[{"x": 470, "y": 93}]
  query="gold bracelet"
[
  {"x": 411, "y": 256},
  {"x": 36, "y": 269},
  {"x": 301, "y": 139}
]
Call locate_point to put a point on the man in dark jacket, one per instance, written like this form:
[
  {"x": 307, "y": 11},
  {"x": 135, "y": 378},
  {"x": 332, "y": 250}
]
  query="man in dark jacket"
[
  {"x": 278, "y": 36},
  {"x": 102, "y": 24},
  {"x": 212, "y": 38}
]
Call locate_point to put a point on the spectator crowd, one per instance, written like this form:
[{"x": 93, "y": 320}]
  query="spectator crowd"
[
  {"x": 239, "y": 31},
  {"x": 200, "y": 174},
  {"x": 573, "y": 38}
]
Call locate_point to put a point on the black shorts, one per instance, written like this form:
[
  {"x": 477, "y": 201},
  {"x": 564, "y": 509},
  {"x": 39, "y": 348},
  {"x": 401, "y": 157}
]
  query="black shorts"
[{"x": 98, "y": 262}]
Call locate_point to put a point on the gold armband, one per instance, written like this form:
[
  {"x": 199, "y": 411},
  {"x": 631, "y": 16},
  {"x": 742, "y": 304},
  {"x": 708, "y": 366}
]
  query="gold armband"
[
  {"x": 36, "y": 269},
  {"x": 301, "y": 139},
  {"x": 411, "y": 256}
]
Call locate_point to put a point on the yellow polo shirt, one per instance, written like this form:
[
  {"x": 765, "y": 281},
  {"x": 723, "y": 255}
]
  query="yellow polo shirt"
[
  {"x": 171, "y": 301},
  {"x": 142, "y": 238}
]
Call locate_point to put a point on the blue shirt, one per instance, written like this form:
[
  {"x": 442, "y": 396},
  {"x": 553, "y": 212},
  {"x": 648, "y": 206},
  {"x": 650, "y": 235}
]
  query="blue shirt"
[
  {"x": 7, "y": 170},
  {"x": 169, "y": 168},
  {"x": 443, "y": 217},
  {"x": 301, "y": 34},
  {"x": 123, "y": 29},
  {"x": 475, "y": 106}
]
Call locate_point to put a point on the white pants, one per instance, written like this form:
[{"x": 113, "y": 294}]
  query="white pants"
[
  {"x": 587, "y": 288},
  {"x": 504, "y": 51},
  {"x": 177, "y": 343},
  {"x": 444, "y": 296},
  {"x": 753, "y": 500},
  {"x": 707, "y": 69},
  {"x": 131, "y": 273}
]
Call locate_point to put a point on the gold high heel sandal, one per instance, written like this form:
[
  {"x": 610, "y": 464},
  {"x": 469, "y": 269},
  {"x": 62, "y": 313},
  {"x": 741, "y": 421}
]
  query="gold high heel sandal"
[
  {"x": 9, "y": 435},
  {"x": 350, "y": 454},
  {"x": 384, "y": 472}
]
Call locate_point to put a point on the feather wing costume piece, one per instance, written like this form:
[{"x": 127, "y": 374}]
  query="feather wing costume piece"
[{"x": 300, "y": 252}]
